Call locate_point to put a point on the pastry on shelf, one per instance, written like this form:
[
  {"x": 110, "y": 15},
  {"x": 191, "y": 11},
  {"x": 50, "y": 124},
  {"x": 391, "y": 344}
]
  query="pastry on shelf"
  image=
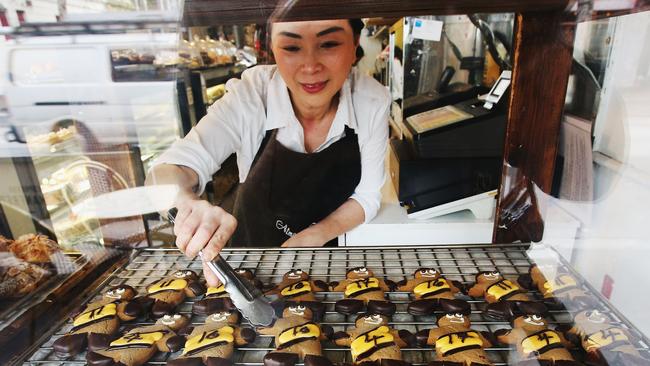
[
  {"x": 373, "y": 342},
  {"x": 4, "y": 244},
  {"x": 432, "y": 291},
  {"x": 214, "y": 342},
  {"x": 297, "y": 338},
  {"x": 19, "y": 278},
  {"x": 34, "y": 248},
  {"x": 455, "y": 342},
  {"x": 140, "y": 344},
  {"x": 360, "y": 288},
  {"x": 98, "y": 321}
]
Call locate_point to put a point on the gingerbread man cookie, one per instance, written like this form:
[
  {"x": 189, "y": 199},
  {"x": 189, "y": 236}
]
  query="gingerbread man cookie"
[
  {"x": 502, "y": 295},
  {"x": 216, "y": 299},
  {"x": 557, "y": 288},
  {"x": 214, "y": 342},
  {"x": 297, "y": 286},
  {"x": 456, "y": 342},
  {"x": 372, "y": 341},
  {"x": 138, "y": 345},
  {"x": 168, "y": 292},
  {"x": 432, "y": 291},
  {"x": 360, "y": 288},
  {"x": 536, "y": 343},
  {"x": 98, "y": 321},
  {"x": 297, "y": 338},
  {"x": 604, "y": 342}
]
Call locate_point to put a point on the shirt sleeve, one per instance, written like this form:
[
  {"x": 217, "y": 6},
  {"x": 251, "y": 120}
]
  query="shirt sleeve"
[
  {"x": 373, "y": 175},
  {"x": 217, "y": 135}
]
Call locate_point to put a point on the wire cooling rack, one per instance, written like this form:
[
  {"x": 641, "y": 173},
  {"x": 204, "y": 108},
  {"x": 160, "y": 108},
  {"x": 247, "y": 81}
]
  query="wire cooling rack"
[{"x": 455, "y": 262}]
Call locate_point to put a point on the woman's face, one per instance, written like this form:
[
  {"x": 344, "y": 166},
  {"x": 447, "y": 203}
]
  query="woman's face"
[{"x": 314, "y": 58}]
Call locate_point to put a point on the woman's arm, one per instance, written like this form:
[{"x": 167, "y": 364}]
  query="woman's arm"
[
  {"x": 183, "y": 177},
  {"x": 198, "y": 224},
  {"x": 348, "y": 216}
]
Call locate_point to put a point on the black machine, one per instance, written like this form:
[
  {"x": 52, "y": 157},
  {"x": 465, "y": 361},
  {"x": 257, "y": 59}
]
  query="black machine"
[{"x": 451, "y": 156}]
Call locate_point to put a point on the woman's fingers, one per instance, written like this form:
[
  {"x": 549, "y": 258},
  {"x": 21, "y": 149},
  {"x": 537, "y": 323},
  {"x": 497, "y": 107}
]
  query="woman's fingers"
[
  {"x": 210, "y": 277},
  {"x": 203, "y": 227},
  {"x": 227, "y": 227},
  {"x": 200, "y": 238},
  {"x": 186, "y": 229}
]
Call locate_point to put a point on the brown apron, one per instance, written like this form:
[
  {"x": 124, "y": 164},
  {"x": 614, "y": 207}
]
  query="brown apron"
[{"x": 287, "y": 191}]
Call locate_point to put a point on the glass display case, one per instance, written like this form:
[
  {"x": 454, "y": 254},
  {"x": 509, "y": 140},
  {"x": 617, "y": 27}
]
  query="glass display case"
[{"x": 527, "y": 119}]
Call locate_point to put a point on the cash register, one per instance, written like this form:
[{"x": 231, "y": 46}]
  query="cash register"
[{"x": 450, "y": 158}]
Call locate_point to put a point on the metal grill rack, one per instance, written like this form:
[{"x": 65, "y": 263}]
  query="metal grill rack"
[{"x": 455, "y": 262}]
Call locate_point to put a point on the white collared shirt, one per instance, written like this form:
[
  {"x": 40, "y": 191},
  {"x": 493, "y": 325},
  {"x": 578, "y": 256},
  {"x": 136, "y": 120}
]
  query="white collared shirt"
[{"x": 259, "y": 101}]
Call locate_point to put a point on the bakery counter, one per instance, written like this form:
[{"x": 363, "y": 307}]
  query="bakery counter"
[{"x": 151, "y": 269}]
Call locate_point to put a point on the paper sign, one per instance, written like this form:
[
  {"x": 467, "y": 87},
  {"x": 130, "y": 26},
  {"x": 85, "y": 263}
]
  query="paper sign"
[{"x": 430, "y": 30}]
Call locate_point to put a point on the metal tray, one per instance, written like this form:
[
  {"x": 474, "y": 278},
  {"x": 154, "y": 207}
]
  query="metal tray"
[
  {"x": 456, "y": 262},
  {"x": 64, "y": 267}
]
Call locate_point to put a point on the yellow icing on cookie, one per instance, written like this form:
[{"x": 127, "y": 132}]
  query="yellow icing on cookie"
[
  {"x": 366, "y": 342},
  {"x": 221, "y": 290},
  {"x": 104, "y": 311},
  {"x": 604, "y": 338},
  {"x": 502, "y": 288},
  {"x": 561, "y": 282},
  {"x": 455, "y": 341},
  {"x": 138, "y": 339},
  {"x": 307, "y": 330},
  {"x": 361, "y": 285},
  {"x": 167, "y": 285},
  {"x": 296, "y": 288},
  {"x": 224, "y": 334},
  {"x": 431, "y": 286},
  {"x": 540, "y": 342}
]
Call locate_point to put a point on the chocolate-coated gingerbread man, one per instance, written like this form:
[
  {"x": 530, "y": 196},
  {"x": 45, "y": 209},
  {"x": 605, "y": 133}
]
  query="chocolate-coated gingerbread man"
[
  {"x": 297, "y": 338},
  {"x": 360, "y": 288},
  {"x": 170, "y": 291},
  {"x": 432, "y": 291},
  {"x": 98, "y": 321}
]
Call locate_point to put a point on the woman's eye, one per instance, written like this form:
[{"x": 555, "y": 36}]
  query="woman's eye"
[
  {"x": 291, "y": 48},
  {"x": 330, "y": 44}
]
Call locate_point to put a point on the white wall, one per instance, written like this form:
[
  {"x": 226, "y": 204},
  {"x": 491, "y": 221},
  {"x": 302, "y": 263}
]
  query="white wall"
[{"x": 614, "y": 238}]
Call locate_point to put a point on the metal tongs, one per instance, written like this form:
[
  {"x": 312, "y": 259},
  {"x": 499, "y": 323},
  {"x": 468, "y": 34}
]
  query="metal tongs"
[{"x": 248, "y": 299}]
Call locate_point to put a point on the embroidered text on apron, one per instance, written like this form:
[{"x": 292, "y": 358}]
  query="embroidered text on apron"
[{"x": 286, "y": 191}]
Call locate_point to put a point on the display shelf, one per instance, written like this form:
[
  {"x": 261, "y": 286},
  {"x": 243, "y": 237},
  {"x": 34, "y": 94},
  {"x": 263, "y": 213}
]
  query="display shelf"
[
  {"x": 455, "y": 262},
  {"x": 66, "y": 267}
]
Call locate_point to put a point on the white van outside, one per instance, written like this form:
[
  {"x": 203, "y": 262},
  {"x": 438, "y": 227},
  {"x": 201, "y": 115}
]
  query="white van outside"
[{"x": 84, "y": 77}]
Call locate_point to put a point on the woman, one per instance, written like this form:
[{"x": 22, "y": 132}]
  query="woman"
[{"x": 310, "y": 135}]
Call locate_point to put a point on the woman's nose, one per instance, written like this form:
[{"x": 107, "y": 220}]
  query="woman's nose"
[{"x": 311, "y": 63}]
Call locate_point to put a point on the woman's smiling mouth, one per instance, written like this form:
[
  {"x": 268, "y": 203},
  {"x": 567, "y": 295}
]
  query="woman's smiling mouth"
[{"x": 313, "y": 88}]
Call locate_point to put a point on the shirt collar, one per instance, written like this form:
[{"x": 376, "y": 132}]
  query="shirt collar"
[{"x": 279, "y": 111}]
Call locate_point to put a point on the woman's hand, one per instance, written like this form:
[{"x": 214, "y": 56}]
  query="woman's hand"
[
  {"x": 201, "y": 226},
  {"x": 310, "y": 237}
]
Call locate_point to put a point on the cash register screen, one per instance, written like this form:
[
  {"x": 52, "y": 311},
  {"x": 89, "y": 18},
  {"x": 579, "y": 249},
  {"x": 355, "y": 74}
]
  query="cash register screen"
[{"x": 500, "y": 87}]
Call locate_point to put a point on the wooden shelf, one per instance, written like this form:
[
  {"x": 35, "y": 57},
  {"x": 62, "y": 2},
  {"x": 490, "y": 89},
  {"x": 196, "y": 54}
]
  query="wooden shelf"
[{"x": 208, "y": 12}]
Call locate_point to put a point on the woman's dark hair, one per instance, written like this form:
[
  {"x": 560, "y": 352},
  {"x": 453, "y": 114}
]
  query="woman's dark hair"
[{"x": 357, "y": 26}]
